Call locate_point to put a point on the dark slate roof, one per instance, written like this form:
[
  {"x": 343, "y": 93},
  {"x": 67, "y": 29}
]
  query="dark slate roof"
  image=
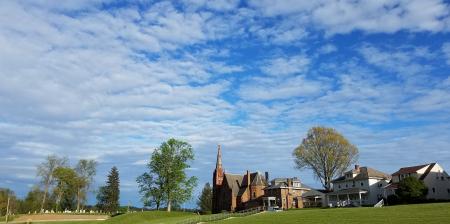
[
  {"x": 238, "y": 183},
  {"x": 410, "y": 169},
  {"x": 313, "y": 193},
  {"x": 234, "y": 182},
  {"x": 364, "y": 173}
]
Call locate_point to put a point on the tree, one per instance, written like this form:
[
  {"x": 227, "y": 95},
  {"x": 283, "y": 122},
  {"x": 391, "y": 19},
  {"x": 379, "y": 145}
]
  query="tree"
[
  {"x": 167, "y": 173},
  {"x": 65, "y": 190},
  {"x": 326, "y": 152},
  {"x": 108, "y": 195},
  {"x": 33, "y": 200},
  {"x": 6, "y": 193},
  {"x": 205, "y": 200},
  {"x": 411, "y": 189},
  {"x": 151, "y": 190},
  {"x": 86, "y": 170},
  {"x": 46, "y": 171}
]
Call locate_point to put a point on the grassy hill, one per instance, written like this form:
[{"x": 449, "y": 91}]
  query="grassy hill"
[{"x": 403, "y": 214}]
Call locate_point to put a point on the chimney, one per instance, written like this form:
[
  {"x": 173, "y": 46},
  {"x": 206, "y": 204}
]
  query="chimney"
[
  {"x": 266, "y": 175},
  {"x": 356, "y": 167},
  {"x": 248, "y": 178}
]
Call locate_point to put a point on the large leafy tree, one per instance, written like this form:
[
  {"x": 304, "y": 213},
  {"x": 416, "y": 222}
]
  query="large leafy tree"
[
  {"x": 167, "y": 172},
  {"x": 86, "y": 170},
  {"x": 45, "y": 171},
  {"x": 151, "y": 190},
  {"x": 326, "y": 152},
  {"x": 205, "y": 199},
  {"x": 65, "y": 190},
  {"x": 108, "y": 195},
  {"x": 411, "y": 189}
]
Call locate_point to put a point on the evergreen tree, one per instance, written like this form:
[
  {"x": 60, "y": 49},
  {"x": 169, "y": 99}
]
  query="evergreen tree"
[
  {"x": 108, "y": 195},
  {"x": 205, "y": 200}
]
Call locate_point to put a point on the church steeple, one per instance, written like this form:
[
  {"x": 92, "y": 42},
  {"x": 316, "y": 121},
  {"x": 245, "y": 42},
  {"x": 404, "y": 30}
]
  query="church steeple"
[
  {"x": 219, "y": 158},
  {"x": 218, "y": 172}
]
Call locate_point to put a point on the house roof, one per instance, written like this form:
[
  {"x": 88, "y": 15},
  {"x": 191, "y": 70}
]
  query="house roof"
[
  {"x": 313, "y": 193},
  {"x": 234, "y": 182},
  {"x": 410, "y": 169},
  {"x": 238, "y": 183},
  {"x": 364, "y": 173}
]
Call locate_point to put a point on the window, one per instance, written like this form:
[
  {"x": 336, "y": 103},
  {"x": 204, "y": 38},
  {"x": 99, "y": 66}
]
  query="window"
[
  {"x": 339, "y": 186},
  {"x": 346, "y": 185},
  {"x": 442, "y": 178},
  {"x": 362, "y": 183},
  {"x": 380, "y": 185},
  {"x": 434, "y": 190},
  {"x": 448, "y": 190},
  {"x": 254, "y": 194}
]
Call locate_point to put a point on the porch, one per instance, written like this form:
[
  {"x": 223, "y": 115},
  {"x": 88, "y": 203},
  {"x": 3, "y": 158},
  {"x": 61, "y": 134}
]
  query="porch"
[{"x": 353, "y": 197}]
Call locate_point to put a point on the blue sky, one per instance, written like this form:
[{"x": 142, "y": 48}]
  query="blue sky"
[{"x": 111, "y": 80}]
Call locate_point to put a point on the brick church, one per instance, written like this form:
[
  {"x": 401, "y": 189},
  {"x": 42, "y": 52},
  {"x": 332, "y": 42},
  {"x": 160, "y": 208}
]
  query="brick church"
[{"x": 232, "y": 192}]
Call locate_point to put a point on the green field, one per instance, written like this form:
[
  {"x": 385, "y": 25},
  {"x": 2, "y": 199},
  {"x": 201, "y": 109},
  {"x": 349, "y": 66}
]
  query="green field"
[{"x": 402, "y": 214}]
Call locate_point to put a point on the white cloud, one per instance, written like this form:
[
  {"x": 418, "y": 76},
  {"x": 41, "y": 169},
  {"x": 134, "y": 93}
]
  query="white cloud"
[
  {"x": 370, "y": 16},
  {"x": 327, "y": 48},
  {"x": 446, "y": 50},
  {"x": 273, "y": 89},
  {"x": 284, "y": 66}
]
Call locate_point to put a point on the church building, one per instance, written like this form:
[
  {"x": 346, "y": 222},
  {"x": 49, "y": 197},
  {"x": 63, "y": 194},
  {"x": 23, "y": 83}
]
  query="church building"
[{"x": 233, "y": 192}]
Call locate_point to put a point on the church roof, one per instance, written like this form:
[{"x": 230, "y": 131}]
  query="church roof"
[{"x": 238, "y": 183}]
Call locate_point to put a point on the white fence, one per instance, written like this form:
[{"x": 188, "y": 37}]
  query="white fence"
[{"x": 221, "y": 216}]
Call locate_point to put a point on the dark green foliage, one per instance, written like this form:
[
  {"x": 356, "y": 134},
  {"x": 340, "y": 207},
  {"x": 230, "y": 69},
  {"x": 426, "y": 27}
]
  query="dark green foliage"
[
  {"x": 108, "y": 195},
  {"x": 166, "y": 180},
  {"x": 412, "y": 190},
  {"x": 393, "y": 199},
  {"x": 205, "y": 200},
  {"x": 33, "y": 200},
  {"x": 151, "y": 191}
]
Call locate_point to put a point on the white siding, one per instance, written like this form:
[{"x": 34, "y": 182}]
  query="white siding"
[{"x": 438, "y": 184}]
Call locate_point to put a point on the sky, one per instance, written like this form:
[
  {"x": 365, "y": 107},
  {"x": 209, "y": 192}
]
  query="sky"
[{"x": 111, "y": 80}]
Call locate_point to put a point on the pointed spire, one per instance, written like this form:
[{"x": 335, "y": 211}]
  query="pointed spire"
[{"x": 219, "y": 157}]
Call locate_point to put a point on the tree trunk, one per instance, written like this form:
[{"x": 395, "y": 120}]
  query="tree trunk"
[
  {"x": 45, "y": 197},
  {"x": 58, "y": 200},
  {"x": 169, "y": 205},
  {"x": 7, "y": 210},
  {"x": 78, "y": 200}
]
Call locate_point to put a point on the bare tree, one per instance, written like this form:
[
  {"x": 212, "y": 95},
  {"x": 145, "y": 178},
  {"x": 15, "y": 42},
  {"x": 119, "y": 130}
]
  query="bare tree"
[
  {"x": 86, "y": 170},
  {"x": 46, "y": 170},
  {"x": 326, "y": 152}
]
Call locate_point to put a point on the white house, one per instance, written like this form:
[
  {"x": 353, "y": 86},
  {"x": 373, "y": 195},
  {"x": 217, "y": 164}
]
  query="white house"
[
  {"x": 433, "y": 175},
  {"x": 360, "y": 186}
]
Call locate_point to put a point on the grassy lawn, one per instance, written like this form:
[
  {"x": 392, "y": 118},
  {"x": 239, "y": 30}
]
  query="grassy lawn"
[
  {"x": 403, "y": 214},
  {"x": 407, "y": 214}
]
